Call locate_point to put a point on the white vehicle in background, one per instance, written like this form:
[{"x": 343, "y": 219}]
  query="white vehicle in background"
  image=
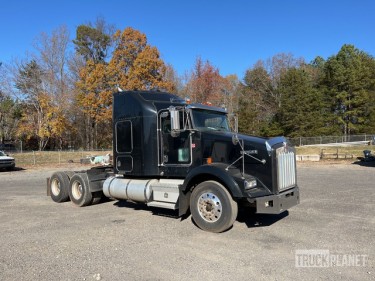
[{"x": 6, "y": 162}]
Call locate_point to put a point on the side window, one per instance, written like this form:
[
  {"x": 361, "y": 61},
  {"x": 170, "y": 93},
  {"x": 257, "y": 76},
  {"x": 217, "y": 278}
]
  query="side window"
[
  {"x": 166, "y": 125},
  {"x": 175, "y": 150},
  {"x": 124, "y": 137}
]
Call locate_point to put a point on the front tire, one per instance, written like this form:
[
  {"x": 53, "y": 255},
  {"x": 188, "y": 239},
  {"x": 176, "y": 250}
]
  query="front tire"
[
  {"x": 79, "y": 192},
  {"x": 59, "y": 184},
  {"x": 212, "y": 207}
]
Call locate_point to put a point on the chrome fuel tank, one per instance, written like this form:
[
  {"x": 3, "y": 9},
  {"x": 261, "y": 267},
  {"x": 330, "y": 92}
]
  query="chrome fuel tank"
[{"x": 128, "y": 189}]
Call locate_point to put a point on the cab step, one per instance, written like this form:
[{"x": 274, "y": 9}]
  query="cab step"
[{"x": 165, "y": 205}]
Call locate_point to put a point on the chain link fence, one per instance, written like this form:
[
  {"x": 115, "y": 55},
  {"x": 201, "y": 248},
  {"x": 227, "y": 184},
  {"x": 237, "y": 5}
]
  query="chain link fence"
[
  {"x": 56, "y": 157},
  {"x": 360, "y": 139},
  {"x": 75, "y": 156}
]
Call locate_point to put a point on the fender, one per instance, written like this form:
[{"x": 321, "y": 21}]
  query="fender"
[
  {"x": 95, "y": 178},
  {"x": 203, "y": 173}
]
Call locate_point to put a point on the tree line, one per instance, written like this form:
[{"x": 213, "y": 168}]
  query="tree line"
[
  {"x": 58, "y": 98},
  {"x": 287, "y": 96}
]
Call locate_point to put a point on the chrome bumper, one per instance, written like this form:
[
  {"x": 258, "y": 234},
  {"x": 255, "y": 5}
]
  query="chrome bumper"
[{"x": 276, "y": 204}]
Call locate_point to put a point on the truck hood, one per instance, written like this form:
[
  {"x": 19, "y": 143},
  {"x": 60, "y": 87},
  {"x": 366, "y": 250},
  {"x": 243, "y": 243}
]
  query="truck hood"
[
  {"x": 259, "y": 142},
  {"x": 6, "y": 158}
]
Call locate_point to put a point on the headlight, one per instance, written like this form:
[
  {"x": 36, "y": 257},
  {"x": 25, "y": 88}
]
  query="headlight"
[{"x": 250, "y": 184}]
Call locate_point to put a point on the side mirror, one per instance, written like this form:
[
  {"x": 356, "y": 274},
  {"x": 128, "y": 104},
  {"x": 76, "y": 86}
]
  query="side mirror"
[
  {"x": 235, "y": 139},
  {"x": 235, "y": 124},
  {"x": 233, "y": 121},
  {"x": 175, "y": 121}
]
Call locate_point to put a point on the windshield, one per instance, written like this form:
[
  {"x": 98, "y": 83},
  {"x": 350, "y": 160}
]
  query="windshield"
[
  {"x": 210, "y": 120},
  {"x": 2, "y": 153}
]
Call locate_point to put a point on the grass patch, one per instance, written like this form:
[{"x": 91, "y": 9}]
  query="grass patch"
[
  {"x": 53, "y": 157},
  {"x": 62, "y": 157},
  {"x": 356, "y": 151}
]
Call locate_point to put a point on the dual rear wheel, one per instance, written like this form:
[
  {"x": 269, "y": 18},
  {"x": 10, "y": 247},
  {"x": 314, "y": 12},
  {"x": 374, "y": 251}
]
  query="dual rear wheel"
[{"x": 73, "y": 186}]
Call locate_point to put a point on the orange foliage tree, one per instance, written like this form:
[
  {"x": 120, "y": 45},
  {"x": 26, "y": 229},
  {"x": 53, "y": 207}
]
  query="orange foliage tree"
[
  {"x": 206, "y": 85},
  {"x": 135, "y": 65},
  {"x": 43, "y": 117},
  {"x": 94, "y": 99}
]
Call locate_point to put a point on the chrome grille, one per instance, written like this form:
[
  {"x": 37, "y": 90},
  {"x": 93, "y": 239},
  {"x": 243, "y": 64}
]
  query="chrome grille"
[
  {"x": 286, "y": 168},
  {"x": 7, "y": 161}
]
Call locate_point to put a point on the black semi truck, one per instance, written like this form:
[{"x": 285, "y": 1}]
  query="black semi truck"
[{"x": 168, "y": 153}]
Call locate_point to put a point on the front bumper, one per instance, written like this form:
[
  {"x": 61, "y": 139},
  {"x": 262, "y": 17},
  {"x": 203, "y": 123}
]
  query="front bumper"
[
  {"x": 276, "y": 204},
  {"x": 7, "y": 165}
]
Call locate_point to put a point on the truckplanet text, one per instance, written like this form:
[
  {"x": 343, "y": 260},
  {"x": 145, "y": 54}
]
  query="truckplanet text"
[{"x": 323, "y": 258}]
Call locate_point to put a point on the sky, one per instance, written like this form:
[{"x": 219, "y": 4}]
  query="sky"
[{"x": 231, "y": 35}]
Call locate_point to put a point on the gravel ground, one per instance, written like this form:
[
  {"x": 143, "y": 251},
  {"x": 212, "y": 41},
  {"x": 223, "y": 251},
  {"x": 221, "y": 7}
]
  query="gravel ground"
[{"x": 43, "y": 240}]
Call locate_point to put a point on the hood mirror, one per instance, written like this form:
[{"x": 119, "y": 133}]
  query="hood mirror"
[{"x": 235, "y": 139}]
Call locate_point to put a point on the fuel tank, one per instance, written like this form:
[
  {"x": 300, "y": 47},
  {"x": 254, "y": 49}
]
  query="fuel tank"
[{"x": 138, "y": 190}]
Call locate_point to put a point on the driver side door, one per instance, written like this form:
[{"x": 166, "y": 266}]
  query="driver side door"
[{"x": 175, "y": 149}]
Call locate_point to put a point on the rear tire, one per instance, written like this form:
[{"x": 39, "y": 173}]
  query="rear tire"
[
  {"x": 212, "y": 207},
  {"x": 59, "y": 183},
  {"x": 79, "y": 192}
]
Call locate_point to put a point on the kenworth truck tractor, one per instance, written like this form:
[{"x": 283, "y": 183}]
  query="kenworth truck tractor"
[{"x": 171, "y": 154}]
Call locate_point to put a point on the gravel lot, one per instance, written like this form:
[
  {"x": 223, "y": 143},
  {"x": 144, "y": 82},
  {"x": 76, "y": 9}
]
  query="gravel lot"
[{"x": 43, "y": 240}]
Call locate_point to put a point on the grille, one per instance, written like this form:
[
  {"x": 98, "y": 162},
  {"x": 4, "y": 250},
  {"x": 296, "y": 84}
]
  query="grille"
[
  {"x": 286, "y": 168},
  {"x": 6, "y": 161}
]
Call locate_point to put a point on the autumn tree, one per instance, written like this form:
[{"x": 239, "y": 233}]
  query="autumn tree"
[
  {"x": 34, "y": 122},
  {"x": 231, "y": 93},
  {"x": 206, "y": 85},
  {"x": 57, "y": 95},
  {"x": 172, "y": 77},
  {"x": 92, "y": 88},
  {"x": 95, "y": 100},
  {"x": 29, "y": 83},
  {"x": 135, "y": 65},
  {"x": 44, "y": 90}
]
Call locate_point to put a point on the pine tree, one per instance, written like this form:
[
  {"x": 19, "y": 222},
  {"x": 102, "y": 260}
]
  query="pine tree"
[
  {"x": 302, "y": 110},
  {"x": 349, "y": 78}
]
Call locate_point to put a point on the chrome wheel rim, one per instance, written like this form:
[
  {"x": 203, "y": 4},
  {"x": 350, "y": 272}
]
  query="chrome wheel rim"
[
  {"x": 77, "y": 190},
  {"x": 55, "y": 187},
  {"x": 209, "y": 207}
]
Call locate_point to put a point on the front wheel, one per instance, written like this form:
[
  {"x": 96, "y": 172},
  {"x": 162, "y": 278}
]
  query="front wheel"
[
  {"x": 79, "y": 192},
  {"x": 212, "y": 207}
]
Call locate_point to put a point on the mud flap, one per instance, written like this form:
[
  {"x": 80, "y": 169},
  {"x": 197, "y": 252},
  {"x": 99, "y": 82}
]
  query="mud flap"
[
  {"x": 48, "y": 186},
  {"x": 183, "y": 202}
]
